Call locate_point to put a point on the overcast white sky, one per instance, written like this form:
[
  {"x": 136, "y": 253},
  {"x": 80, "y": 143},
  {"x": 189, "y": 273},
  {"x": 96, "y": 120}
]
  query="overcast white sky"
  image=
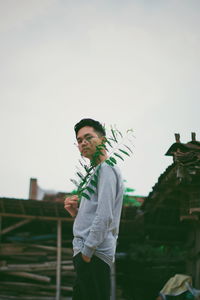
[{"x": 133, "y": 63}]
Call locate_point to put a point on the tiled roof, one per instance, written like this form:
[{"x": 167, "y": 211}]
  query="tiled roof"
[
  {"x": 174, "y": 197},
  {"x": 32, "y": 209}
]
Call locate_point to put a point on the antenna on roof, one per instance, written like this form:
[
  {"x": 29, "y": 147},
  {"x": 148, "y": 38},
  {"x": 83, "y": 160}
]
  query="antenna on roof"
[
  {"x": 193, "y": 136},
  {"x": 177, "y": 137}
]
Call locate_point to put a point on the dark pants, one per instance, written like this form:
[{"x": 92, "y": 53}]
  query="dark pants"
[{"x": 92, "y": 279}]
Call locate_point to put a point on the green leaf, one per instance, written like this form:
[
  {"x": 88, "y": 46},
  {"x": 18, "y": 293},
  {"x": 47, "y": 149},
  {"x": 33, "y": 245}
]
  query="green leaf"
[
  {"x": 128, "y": 148},
  {"x": 74, "y": 192},
  {"x": 116, "y": 154},
  {"x": 114, "y": 135},
  {"x": 87, "y": 169},
  {"x": 81, "y": 184},
  {"x": 109, "y": 162},
  {"x": 81, "y": 163},
  {"x": 94, "y": 183},
  {"x": 99, "y": 153},
  {"x": 124, "y": 152},
  {"x": 112, "y": 139},
  {"x": 80, "y": 175},
  {"x": 80, "y": 190},
  {"x": 90, "y": 190},
  {"x": 74, "y": 182},
  {"x": 109, "y": 143},
  {"x": 128, "y": 190},
  {"x": 113, "y": 160},
  {"x": 102, "y": 146},
  {"x": 119, "y": 133},
  {"x": 129, "y": 130},
  {"x": 85, "y": 196}
]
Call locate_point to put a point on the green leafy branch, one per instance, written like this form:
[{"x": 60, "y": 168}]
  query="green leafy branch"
[
  {"x": 116, "y": 147},
  {"x": 84, "y": 176}
]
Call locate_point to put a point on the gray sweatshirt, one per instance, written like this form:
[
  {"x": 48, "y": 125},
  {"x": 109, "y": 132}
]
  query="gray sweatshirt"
[{"x": 96, "y": 225}]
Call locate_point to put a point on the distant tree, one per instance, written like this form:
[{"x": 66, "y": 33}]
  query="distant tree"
[{"x": 129, "y": 199}]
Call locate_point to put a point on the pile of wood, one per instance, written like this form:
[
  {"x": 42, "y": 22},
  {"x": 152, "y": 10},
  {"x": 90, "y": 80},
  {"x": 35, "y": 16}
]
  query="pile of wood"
[{"x": 28, "y": 271}]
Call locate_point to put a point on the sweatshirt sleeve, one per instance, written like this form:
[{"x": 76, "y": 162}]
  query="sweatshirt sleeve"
[{"x": 107, "y": 185}]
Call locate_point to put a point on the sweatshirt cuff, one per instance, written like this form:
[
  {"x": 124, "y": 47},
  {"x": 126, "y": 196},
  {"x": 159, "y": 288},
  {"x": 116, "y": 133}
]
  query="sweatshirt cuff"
[{"x": 87, "y": 251}]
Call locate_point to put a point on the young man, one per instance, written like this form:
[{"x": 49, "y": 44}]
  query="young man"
[{"x": 97, "y": 219}]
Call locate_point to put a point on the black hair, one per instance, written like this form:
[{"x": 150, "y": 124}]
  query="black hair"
[{"x": 98, "y": 127}]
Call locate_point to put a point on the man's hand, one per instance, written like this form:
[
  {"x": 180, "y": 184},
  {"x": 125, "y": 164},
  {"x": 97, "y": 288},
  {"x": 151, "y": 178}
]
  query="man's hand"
[
  {"x": 86, "y": 258},
  {"x": 71, "y": 205}
]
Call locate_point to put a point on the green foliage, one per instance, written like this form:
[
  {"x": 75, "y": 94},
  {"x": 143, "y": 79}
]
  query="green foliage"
[
  {"x": 129, "y": 199},
  {"x": 90, "y": 190},
  {"x": 94, "y": 183},
  {"x": 146, "y": 252},
  {"x": 109, "y": 162},
  {"x": 116, "y": 154},
  {"x": 124, "y": 152},
  {"x": 129, "y": 190},
  {"x": 85, "y": 195},
  {"x": 74, "y": 192},
  {"x": 112, "y": 159}
]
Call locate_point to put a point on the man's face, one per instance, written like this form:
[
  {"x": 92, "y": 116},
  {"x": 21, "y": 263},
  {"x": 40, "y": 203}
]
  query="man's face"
[{"x": 88, "y": 140}]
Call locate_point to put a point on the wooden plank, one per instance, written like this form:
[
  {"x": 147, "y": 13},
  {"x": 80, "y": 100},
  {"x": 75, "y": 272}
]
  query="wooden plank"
[
  {"x": 35, "y": 267},
  {"x": 16, "y": 225},
  {"x": 194, "y": 210},
  {"x": 49, "y": 263},
  {"x": 42, "y": 268},
  {"x": 33, "y": 285},
  {"x": 32, "y": 253},
  {"x": 51, "y": 248},
  {"x": 30, "y": 275},
  {"x": 67, "y": 267},
  {"x": 9, "y": 297},
  {"x": 67, "y": 219},
  {"x": 58, "y": 269},
  {"x": 0, "y": 227},
  {"x": 20, "y": 248},
  {"x": 190, "y": 218}
]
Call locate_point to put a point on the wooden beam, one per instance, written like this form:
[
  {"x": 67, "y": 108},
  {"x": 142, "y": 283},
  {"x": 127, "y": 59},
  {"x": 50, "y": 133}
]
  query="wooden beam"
[
  {"x": 194, "y": 210},
  {"x": 20, "y": 249},
  {"x": 33, "y": 285},
  {"x": 58, "y": 268},
  {"x": 67, "y": 219},
  {"x": 16, "y": 225},
  {"x": 0, "y": 227},
  {"x": 51, "y": 248},
  {"x": 35, "y": 267},
  {"x": 7, "y": 297},
  {"x": 191, "y": 218},
  {"x": 30, "y": 275}
]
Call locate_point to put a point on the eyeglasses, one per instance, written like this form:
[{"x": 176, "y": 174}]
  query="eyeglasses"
[{"x": 87, "y": 139}]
